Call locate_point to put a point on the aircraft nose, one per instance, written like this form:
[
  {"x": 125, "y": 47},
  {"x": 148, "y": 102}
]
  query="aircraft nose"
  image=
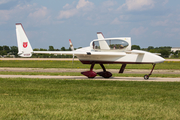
[{"x": 160, "y": 59}]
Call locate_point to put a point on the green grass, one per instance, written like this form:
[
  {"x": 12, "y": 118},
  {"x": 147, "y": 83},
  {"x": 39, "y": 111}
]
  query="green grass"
[
  {"x": 79, "y": 74},
  {"x": 41, "y": 73},
  {"x": 74, "y": 99},
  {"x": 76, "y": 65}
]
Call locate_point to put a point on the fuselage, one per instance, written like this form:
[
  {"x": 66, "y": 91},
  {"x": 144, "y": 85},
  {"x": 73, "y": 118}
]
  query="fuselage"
[
  {"x": 116, "y": 50},
  {"x": 129, "y": 57}
]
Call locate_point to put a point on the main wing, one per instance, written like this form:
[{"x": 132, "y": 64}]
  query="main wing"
[{"x": 81, "y": 53}]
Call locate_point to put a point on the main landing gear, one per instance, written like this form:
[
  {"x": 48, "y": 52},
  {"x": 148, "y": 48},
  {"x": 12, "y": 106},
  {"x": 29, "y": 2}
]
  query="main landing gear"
[
  {"x": 107, "y": 74},
  {"x": 92, "y": 74},
  {"x": 146, "y": 77}
]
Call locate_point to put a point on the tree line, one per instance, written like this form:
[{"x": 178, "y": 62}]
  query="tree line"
[
  {"x": 6, "y": 50},
  {"x": 51, "y": 48},
  {"x": 13, "y": 50}
]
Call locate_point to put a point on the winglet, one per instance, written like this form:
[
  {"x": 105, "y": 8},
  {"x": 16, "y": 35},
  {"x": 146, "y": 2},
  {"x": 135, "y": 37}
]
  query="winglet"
[
  {"x": 100, "y": 35},
  {"x": 24, "y": 46},
  {"x": 71, "y": 45}
]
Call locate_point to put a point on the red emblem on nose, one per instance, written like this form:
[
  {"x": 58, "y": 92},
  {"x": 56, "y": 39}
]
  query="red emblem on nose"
[{"x": 25, "y": 44}]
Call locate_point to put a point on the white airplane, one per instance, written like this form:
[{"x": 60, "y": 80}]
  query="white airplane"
[{"x": 101, "y": 51}]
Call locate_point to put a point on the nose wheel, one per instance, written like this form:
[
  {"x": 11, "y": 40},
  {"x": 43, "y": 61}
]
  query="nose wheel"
[{"x": 146, "y": 77}]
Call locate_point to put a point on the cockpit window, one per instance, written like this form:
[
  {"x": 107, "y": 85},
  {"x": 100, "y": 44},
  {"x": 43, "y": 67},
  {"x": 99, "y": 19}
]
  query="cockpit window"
[
  {"x": 113, "y": 44},
  {"x": 117, "y": 44},
  {"x": 96, "y": 45}
]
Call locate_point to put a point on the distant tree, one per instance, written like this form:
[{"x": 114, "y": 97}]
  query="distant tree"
[
  {"x": 150, "y": 47},
  {"x": 36, "y": 49},
  {"x": 144, "y": 49},
  {"x": 14, "y": 50},
  {"x": 175, "y": 54},
  {"x": 56, "y": 49},
  {"x": 1, "y": 48},
  {"x": 51, "y": 48},
  {"x": 63, "y": 49},
  {"x": 69, "y": 49},
  {"x": 135, "y": 47},
  {"x": 6, "y": 48},
  {"x": 178, "y": 54},
  {"x": 152, "y": 50},
  {"x": 3, "y": 52},
  {"x": 41, "y": 49},
  {"x": 164, "y": 53}
]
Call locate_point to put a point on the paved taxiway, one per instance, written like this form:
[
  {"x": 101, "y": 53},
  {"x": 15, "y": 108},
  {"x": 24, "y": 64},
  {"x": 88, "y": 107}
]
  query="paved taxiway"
[{"x": 155, "y": 79}]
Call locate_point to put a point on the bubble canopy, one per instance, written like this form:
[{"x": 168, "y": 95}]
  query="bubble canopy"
[{"x": 110, "y": 44}]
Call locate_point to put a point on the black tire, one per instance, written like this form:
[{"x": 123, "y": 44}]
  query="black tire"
[{"x": 146, "y": 77}]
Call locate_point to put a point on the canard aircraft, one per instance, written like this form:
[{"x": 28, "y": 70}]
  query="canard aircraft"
[{"x": 101, "y": 51}]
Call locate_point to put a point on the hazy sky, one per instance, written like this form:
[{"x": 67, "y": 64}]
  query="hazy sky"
[{"x": 53, "y": 22}]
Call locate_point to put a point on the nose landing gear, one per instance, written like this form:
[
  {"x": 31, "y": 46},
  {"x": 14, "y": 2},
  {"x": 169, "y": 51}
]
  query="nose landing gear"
[{"x": 146, "y": 77}]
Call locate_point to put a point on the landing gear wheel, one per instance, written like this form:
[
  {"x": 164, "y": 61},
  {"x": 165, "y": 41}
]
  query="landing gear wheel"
[
  {"x": 105, "y": 74},
  {"x": 146, "y": 77}
]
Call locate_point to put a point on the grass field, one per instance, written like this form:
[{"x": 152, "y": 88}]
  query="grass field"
[
  {"x": 78, "y": 65},
  {"x": 80, "y": 99}
]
